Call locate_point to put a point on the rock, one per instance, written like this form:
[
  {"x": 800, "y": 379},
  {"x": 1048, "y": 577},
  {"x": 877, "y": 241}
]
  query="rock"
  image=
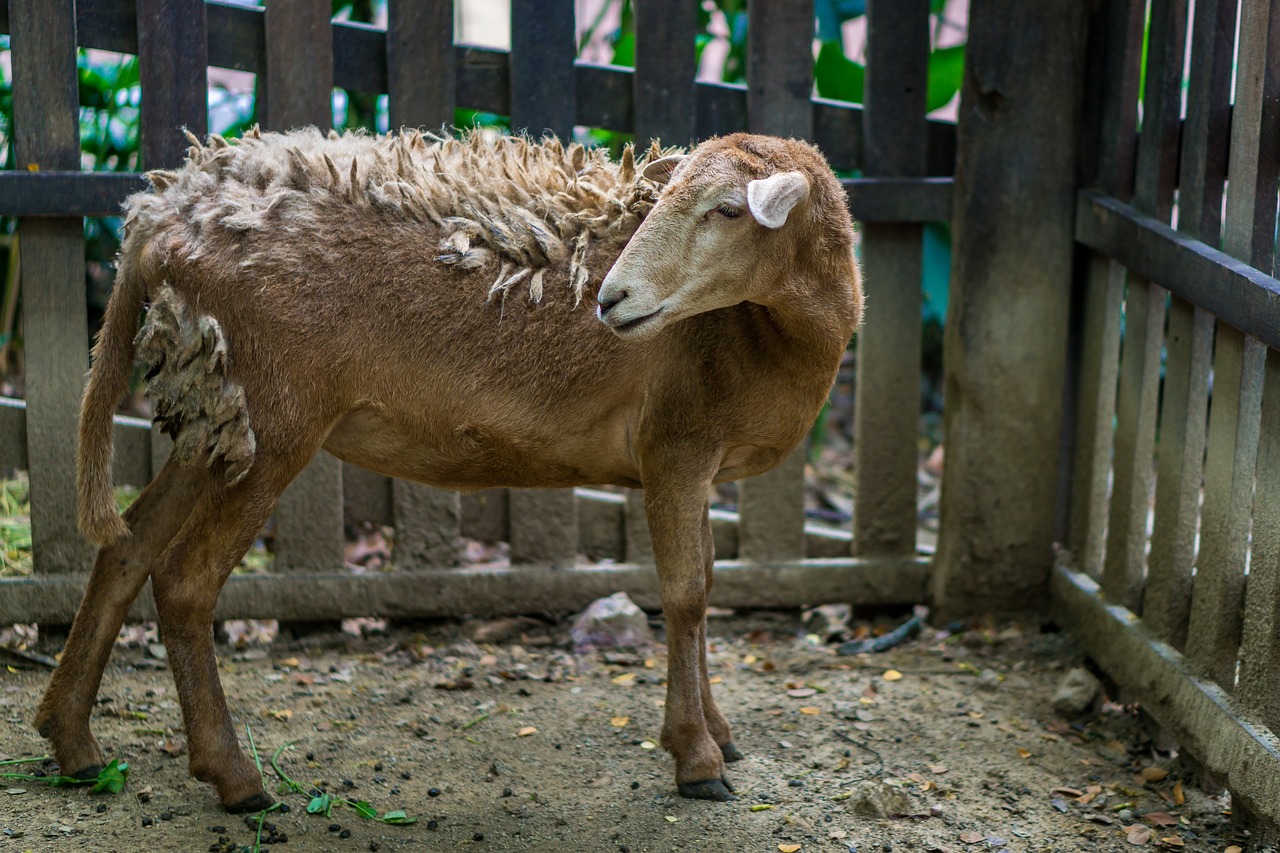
[
  {"x": 611, "y": 623},
  {"x": 829, "y": 621},
  {"x": 878, "y": 800},
  {"x": 1077, "y": 693},
  {"x": 989, "y": 679}
]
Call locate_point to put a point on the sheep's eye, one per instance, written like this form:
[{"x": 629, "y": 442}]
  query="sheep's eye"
[{"x": 728, "y": 211}]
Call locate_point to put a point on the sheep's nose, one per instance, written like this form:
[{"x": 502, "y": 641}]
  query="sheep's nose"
[{"x": 608, "y": 300}]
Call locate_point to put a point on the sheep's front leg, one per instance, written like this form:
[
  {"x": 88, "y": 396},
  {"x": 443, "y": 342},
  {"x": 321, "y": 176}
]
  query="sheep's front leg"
[
  {"x": 675, "y": 511},
  {"x": 716, "y": 722}
]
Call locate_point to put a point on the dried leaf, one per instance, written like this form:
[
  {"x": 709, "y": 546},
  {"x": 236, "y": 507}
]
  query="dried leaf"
[
  {"x": 625, "y": 678},
  {"x": 788, "y": 848},
  {"x": 1173, "y": 841},
  {"x": 1137, "y": 834},
  {"x": 525, "y": 731},
  {"x": 761, "y": 807},
  {"x": 801, "y": 692},
  {"x": 619, "y": 722},
  {"x": 648, "y": 744},
  {"x": 1024, "y": 753},
  {"x": 1161, "y": 819},
  {"x": 1154, "y": 774},
  {"x": 810, "y": 710},
  {"x": 892, "y": 675},
  {"x": 1090, "y": 793},
  {"x": 938, "y": 768},
  {"x": 971, "y": 837},
  {"x": 672, "y": 818},
  {"x": 1066, "y": 792},
  {"x": 278, "y": 713}
]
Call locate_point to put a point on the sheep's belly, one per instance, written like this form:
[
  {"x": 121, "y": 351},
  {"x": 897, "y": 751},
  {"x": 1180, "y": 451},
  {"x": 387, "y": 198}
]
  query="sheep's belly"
[{"x": 470, "y": 456}]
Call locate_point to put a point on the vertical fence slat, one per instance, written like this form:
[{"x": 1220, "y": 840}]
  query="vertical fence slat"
[
  {"x": 887, "y": 408},
  {"x": 1189, "y": 339},
  {"x": 543, "y": 522},
  {"x": 1124, "y": 572},
  {"x": 299, "y": 87},
  {"x": 1124, "y": 568},
  {"x": 421, "y": 71},
  {"x": 1214, "y": 633},
  {"x": 666, "y": 65},
  {"x": 422, "y": 80},
  {"x": 1120, "y": 29},
  {"x": 173, "y": 60},
  {"x": 543, "y": 49},
  {"x": 1260, "y": 650},
  {"x": 55, "y": 325},
  {"x": 1099, "y": 369},
  {"x": 779, "y": 84},
  {"x": 1166, "y": 606}
]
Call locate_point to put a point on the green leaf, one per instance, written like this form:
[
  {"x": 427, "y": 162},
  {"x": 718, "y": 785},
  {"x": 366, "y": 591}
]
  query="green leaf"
[
  {"x": 322, "y": 804},
  {"x": 624, "y": 50},
  {"x": 398, "y": 817},
  {"x": 111, "y": 778},
  {"x": 837, "y": 76},
  {"x": 364, "y": 810},
  {"x": 946, "y": 73}
]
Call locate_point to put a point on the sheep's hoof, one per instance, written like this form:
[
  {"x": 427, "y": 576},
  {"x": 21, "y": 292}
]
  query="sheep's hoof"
[
  {"x": 710, "y": 789},
  {"x": 730, "y": 752},
  {"x": 258, "y": 802},
  {"x": 87, "y": 773}
]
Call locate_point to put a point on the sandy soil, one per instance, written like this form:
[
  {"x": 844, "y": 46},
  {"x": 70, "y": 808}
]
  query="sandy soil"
[{"x": 962, "y": 752}]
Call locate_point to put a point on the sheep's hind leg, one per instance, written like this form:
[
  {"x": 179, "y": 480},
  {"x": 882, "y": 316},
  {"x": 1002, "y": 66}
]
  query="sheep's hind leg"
[
  {"x": 186, "y": 581},
  {"x": 119, "y": 571}
]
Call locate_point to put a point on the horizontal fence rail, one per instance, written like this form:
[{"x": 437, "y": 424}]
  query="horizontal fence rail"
[{"x": 768, "y": 554}]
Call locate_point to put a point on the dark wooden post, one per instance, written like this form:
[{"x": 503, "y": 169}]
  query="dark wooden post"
[
  {"x": 1006, "y": 338},
  {"x": 52, "y": 250}
]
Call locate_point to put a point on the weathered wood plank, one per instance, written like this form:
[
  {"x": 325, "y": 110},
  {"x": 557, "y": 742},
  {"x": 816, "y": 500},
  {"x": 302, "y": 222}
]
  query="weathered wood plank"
[
  {"x": 1213, "y": 634},
  {"x": 1121, "y": 74},
  {"x": 1099, "y": 372},
  {"x": 492, "y": 592},
  {"x": 1157, "y": 166},
  {"x": 543, "y": 91},
  {"x": 422, "y": 72},
  {"x": 54, "y": 319},
  {"x": 1008, "y": 314},
  {"x": 173, "y": 59},
  {"x": 1203, "y": 167},
  {"x": 780, "y": 68},
  {"x": 887, "y": 409},
  {"x": 299, "y": 87},
  {"x": 1189, "y": 339},
  {"x": 1124, "y": 567},
  {"x": 1229, "y": 288},
  {"x": 1260, "y": 650},
  {"x": 544, "y": 526},
  {"x": 299, "y": 73},
  {"x": 666, "y": 64},
  {"x": 1200, "y": 715},
  {"x": 1166, "y": 604}
]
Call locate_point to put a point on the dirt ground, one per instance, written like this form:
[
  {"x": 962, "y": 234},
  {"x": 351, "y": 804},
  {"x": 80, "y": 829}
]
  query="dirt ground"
[{"x": 946, "y": 743}]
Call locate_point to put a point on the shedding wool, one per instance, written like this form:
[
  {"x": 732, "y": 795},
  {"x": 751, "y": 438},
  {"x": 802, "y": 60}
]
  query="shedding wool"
[{"x": 528, "y": 205}]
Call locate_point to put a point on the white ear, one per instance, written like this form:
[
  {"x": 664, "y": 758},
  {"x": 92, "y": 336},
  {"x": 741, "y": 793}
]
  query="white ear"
[
  {"x": 771, "y": 199},
  {"x": 659, "y": 171}
]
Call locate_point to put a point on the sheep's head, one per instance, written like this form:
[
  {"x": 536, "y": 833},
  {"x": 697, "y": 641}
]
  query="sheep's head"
[{"x": 727, "y": 228}]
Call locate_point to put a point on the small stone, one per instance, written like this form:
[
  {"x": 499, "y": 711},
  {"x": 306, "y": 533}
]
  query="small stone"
[
  {"x": 102, "y": 807},
  {"x": 478, "y": 836},
  {"x": 334, "y": 827},
  {"x": 147, "y": 821},
  {"x": 377, "y": 768},
  {"x": 405, "y": 774},
  {"x": 635, "y": 786},
  {"x": 878, "y": 800},
  {"x": 346, "y": 833},
  {"x": 829, "y": 621},
  {"x": 433, "y": 825},
  {"x": 989, "y": 679},
  {"x": 433, "y": 792},
  {"x": 610, "y": 623},
  {"x": 374, "y": 847},
  {"x": 166, "y": 815},
  {"x": 1077, "y": 693}
]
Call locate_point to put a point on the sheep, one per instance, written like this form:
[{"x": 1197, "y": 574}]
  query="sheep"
[{"x": 424, "y": 307}]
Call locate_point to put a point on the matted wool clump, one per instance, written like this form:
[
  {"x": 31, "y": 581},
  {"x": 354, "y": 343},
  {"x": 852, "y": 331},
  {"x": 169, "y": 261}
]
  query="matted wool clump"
[{"x": 532, "y": 205}]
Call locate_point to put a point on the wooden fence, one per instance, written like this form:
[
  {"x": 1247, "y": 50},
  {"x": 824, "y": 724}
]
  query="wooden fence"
[
  {"x": 300, "y": 55},
  {"x": 1178, "y": 428}
]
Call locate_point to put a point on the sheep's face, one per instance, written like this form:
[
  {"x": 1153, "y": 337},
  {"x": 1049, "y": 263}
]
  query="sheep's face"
[{"x": 704, "y": 244}]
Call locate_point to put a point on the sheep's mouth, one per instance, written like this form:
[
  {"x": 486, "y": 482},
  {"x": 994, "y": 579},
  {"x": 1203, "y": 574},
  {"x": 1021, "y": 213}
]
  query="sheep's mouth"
[{"x": 632, "y": 325}]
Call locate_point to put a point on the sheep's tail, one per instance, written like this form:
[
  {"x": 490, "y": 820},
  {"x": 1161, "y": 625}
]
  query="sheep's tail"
[{"x": 98, "y": 518}]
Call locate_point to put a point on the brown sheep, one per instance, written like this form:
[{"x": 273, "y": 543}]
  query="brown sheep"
[{"x": 425, "y": 308}]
